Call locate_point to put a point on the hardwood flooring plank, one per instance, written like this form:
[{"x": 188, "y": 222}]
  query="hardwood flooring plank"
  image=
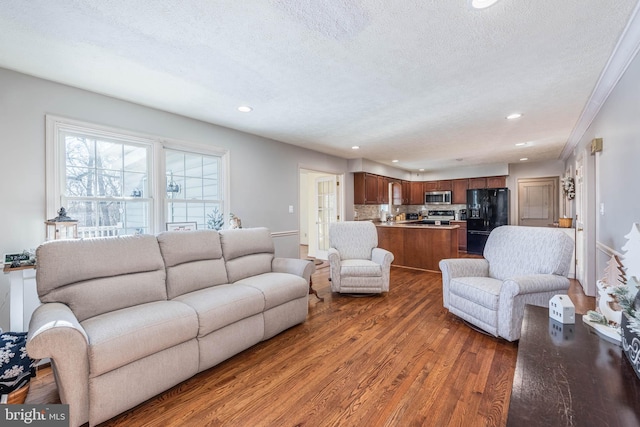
[{"x": 389, "y": 360}]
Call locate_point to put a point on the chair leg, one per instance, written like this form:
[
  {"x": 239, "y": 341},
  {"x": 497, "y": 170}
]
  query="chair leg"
[{"x": 313, "y": 291}]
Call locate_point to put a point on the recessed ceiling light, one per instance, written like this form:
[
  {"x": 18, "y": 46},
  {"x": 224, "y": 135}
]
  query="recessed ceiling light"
[
  {"x": 355, "y": 147},
  {"x": 524, "y": 159},
  {"x": 514, "y": 116},
  {"x": 394, "y": 161},
  {"x": 482, "y": 4},
  {"x": 421, "y": 169},
  {"x": 520, "y": 144},
  {"x": 245, "y": 109}
]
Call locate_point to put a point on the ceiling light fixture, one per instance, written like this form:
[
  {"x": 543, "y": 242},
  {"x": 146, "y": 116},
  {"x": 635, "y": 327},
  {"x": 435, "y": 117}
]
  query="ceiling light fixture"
[
  {"x": 524, "y": 159},
  {"x": 514, "y": 116},
  {"x": 520, "y": 144},
  {"x": 394, "y": 161},
  {"x": 245, "y": 109},
  {"x": 482, "y": 4},
  {"x": 355, "y": 147}
]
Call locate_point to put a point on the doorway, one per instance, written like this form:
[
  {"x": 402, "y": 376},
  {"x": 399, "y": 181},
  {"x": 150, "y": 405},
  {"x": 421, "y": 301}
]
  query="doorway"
[
  {"x": 321, "y": 203},
  {"x": 538, "y": 201}
]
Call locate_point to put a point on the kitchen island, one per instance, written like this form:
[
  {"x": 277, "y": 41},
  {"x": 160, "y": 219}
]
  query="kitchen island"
[{"x": 418, "y": 245}]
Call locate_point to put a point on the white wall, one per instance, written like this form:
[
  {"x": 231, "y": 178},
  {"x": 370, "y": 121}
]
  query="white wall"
[
  {"x": 613, "y": 178},
  {"x": 264, "y": 173}
]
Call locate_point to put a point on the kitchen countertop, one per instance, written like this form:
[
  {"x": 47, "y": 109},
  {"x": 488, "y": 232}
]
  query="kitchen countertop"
[{"x": 409, "y": 224}]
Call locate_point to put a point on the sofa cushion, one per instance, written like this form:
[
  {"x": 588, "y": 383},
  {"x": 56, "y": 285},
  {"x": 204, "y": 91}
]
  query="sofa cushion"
[
  {"x": 247, "y": 252},
  {"x": 193, "y": 260},
  {"x": 223, "y": 305},
  {"x": 360, "y": 268},
  {"x": 123, "y": 336},
  {"x": 484, "y": 291},
  {"x": 179, "y": 247},
  {"x": 277, "y": 288},
  {"x": 99, "y": 275}
]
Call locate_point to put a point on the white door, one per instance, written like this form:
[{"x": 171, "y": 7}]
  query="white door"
[
  {"x": 580, "y": 222},
  {"x": 326, "y": 211},
  {"x": 537, "y": 201}
]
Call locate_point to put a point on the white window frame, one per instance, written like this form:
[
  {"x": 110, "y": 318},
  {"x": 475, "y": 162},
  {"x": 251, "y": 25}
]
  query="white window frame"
[{"x": 55, "y": 174}]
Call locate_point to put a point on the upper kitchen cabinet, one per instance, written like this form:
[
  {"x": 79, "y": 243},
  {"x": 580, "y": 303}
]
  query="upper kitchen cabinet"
[
  {"x": 370, "y": 189},
  {"x": 459, "y": 191},
  {"x": 383, "y": 189},
  {"x": 397, "y": 191},
  {"x": 416, "y": 196},
  {"x": 437, "y": 185},
  {"x": 475, "y": 183},
  {"x": 496, "y": 182},
  {"x": 489, "y": 182},
  {"x": 406, "y": 191}
]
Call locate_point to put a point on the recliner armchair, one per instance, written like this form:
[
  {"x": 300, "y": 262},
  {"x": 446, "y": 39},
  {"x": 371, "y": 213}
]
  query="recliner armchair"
[
  {"x": 521, "y": 265},
  {"x": 356, "y": 264}
]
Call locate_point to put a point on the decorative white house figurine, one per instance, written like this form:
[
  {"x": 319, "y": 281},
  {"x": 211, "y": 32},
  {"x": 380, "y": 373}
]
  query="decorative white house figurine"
[{"x": 562, "y": 309}]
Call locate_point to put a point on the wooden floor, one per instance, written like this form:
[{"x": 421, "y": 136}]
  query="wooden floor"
[{"x": 394, "y": 360}]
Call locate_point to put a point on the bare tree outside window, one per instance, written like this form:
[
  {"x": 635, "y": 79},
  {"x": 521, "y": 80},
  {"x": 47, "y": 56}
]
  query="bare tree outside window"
[{"x": 106, "y": 185}]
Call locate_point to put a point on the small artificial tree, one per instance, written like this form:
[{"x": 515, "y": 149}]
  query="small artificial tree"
[{"x": 215, "y": 220}]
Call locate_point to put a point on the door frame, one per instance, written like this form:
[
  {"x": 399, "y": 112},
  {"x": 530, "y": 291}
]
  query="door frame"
[{"x": 303, "y": 199}]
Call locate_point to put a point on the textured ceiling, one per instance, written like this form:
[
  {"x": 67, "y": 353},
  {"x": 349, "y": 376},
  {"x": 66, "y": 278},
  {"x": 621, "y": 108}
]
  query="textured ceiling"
[{"x": 423, "y": 82}]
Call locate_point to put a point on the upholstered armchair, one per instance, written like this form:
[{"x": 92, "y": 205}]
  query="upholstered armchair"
[
  {"x": 356, "y": 264},
  {"x": 521, "y": 265}
]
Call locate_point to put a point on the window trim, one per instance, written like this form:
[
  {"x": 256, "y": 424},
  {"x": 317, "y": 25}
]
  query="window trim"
[{"x": 54, "y": 175}]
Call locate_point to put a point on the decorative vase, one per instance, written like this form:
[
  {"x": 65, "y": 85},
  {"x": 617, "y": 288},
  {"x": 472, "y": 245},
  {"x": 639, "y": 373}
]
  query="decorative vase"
[{"x": 631, "y": 344}]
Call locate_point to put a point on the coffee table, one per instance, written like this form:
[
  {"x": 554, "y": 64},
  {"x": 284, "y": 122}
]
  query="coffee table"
[{"x": 566, "y": 375}]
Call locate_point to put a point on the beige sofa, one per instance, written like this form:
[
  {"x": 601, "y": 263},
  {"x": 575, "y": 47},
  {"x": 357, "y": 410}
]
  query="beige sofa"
[{"x": 126, "y": 318}]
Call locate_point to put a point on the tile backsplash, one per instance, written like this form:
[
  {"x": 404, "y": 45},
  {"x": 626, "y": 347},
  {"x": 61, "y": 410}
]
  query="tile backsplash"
[{"x": 367, "y": 212}]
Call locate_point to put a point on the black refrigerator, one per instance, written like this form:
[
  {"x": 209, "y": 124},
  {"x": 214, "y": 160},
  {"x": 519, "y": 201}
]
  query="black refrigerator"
[{"x": 487, "y": 209}]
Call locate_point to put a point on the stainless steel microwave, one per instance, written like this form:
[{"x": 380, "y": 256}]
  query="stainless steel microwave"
[{"x": 437, "y": 198}]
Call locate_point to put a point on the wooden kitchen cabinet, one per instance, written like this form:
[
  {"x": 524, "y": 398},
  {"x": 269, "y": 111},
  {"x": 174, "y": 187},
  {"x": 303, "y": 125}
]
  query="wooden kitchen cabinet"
[
  {"x": 496, "y": 182},
  {"x": 459, "y": 191},
  {"x": 406, "y": 191},
  {"x": 370, "y": 189},
  {"x": 416, "y": 196},
  {"x": 365, "y": 189},
  {"x": 462, "y": 234},
  {"x": 383, "y": 190},
  {"x": 419, "y": 247},
  {"x": 437, "y": 185},
  {"x": 392, "y": 239},
  {"x": 475, "y": 183},
  {"x": 488, "y": 182}
]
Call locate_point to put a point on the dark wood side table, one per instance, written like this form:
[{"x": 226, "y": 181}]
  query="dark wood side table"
[{"x": 566, "y": 375}]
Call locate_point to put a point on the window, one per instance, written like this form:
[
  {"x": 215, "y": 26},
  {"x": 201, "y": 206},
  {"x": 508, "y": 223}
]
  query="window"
[
  {"x": 106, "y": 184},
  {"x": 106, "y": 178},
  {"x": 193, "y": 188}
]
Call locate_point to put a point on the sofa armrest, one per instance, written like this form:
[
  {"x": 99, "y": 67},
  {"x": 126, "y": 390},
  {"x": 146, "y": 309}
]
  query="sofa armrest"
[
  {"x": 460, "y": 267},
  {"x": 382, "y": 257},
  {"x": 533, "y": 284},
  {"x": 54, "y": 332},
  {"x": 334, "y": 268},
  {"x": 300, "y": 267},
  {"x": 516, "y": 292}
]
